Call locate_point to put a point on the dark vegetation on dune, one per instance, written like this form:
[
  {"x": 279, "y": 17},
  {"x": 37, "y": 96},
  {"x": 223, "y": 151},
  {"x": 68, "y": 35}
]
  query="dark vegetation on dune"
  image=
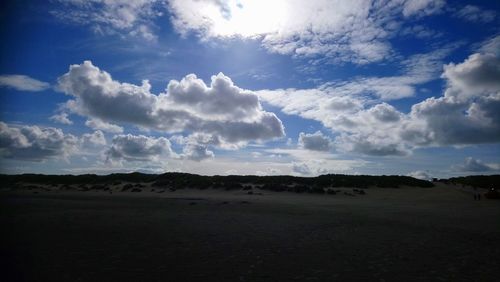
[
  {"x": 231, "y": 182},
  {"x": 480, "y": 181}
]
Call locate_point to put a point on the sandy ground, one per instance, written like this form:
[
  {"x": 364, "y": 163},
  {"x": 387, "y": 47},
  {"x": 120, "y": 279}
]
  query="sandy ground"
[{"x": 411, "y": 234}]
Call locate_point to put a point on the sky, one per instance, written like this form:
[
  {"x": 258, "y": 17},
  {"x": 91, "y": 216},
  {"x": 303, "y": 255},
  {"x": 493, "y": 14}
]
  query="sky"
[{"x": 255, "y": 87}]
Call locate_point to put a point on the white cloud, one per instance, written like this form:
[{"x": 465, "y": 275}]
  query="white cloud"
[
  {"x": 92, "y": 140},
  {"x": 420, "y": 31},
  {"x": 138, "y": 148},
  {"x": 315, "y": 141},
  {"x": 371, "y": 144},
  {"x": 490, "y": 46},
  {"x": 22, "y": 83},
  {"x": 470, "y": 103},
  {"x": 301, "y": 168},
  {"x": 419, "y": 174},
  {"x": 473, "y": 13},
  {"x": 312, "y": 167},
  {"x": 197, "y": 152},
  {"x": 256, "y": 154},
  {"x": 477, "y": 75},
  {"x": 122, "y": 17},
  {"x": 273, "y": 171},
  {"x": 354, "y": 110},
  {"x": 61, "y": 118},
  {"x": 36, "y": 144},
  {"x": 33, "y": 143},
  {"x": 196, "y": 146},
  {"x": 474, "y": 165},
  {"x": 231, "y": 172},
  {"x": 221, "y": 109},
  {"x": 341, "y": 31},
  {"x": 422, "y": 7},
  {"x": 310, "y": 162},
  {"x": 98, "y": 124},
  {"x": 364, "y": 128},
  {"x": 351, "y": 96}
]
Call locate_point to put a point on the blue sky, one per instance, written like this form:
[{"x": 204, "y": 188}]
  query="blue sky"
[{"x": 250, "y": 87}]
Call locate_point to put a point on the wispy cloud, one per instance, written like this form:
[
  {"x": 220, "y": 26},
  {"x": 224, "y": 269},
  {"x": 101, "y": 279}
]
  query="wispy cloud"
[
  {"x": 115, "y": 17},
  {"x": 473, "y": 13},
  {"x": 23, "y": 83},
  {"x": 338, "y": 31}
]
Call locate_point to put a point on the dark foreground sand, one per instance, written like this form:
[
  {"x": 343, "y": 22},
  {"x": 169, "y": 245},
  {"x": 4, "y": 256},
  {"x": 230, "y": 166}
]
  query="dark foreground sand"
[{"x": 434, "y": 234}]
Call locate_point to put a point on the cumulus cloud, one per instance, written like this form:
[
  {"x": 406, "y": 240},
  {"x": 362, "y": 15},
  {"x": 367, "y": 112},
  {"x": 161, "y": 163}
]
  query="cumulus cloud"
[
  {"x": 35, "y": 143},
  {"x": 301, "y": 168},
  {"x": 419, "y": 174},
  {"x": 196, "y": 146},
  {"x": 22, "y": 83},
  {"x": 340, "y": 31},
  {"x": 311, "y": 167},
  {"x": 364, "y": 128},
  {"x": 138, "y": 148},
  {"x": 98, "y": 124},
  {"x": 477, "y": 75},
  {"x": 220, "y": 109},
  {"x": 61, "y": 118},
  {"x": 474, "y": 165},
  {"x": 92, "y": 140},
  {"x": 467, "y": 113},
  {"x": 315, "y": 141},
  {"x": 269, "y": 171},
  {"x": 473, "y": 13},
  {"x": 122, "y": 17},
  {"x": 371, "y": 144},
  {"x": 197, "y": 152},
  {"x": 311, "y": 162},
  {"x": 471, "y": 102}
]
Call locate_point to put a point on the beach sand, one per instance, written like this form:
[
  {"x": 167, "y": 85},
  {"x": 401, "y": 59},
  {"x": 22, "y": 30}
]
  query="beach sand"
[{"x": 407, "y": 234}]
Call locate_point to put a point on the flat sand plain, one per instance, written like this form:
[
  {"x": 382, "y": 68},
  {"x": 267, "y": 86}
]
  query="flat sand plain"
[{"x": 406, "y": 234}]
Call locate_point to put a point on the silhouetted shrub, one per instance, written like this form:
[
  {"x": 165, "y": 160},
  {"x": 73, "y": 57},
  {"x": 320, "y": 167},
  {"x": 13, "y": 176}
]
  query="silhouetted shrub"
[
  {"x": 480, "y": 181},
  {"x": 271, "y": 183},
  {"x": 127, "y": 187},
  {"x": 98, "y": 187},
  {"x": 233, "y": 186},
  {"x": 300, "y": 188},
  {"x": 274, "y": 187},
  {"x": 317, "y": 190}
]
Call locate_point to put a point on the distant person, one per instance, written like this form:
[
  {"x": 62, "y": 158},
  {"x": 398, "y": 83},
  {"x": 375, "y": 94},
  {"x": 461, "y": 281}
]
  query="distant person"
[{"x": 477, "y": 195}]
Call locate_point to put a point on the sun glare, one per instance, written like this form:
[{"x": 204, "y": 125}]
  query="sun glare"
[{"x": 248, "y": 18}]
